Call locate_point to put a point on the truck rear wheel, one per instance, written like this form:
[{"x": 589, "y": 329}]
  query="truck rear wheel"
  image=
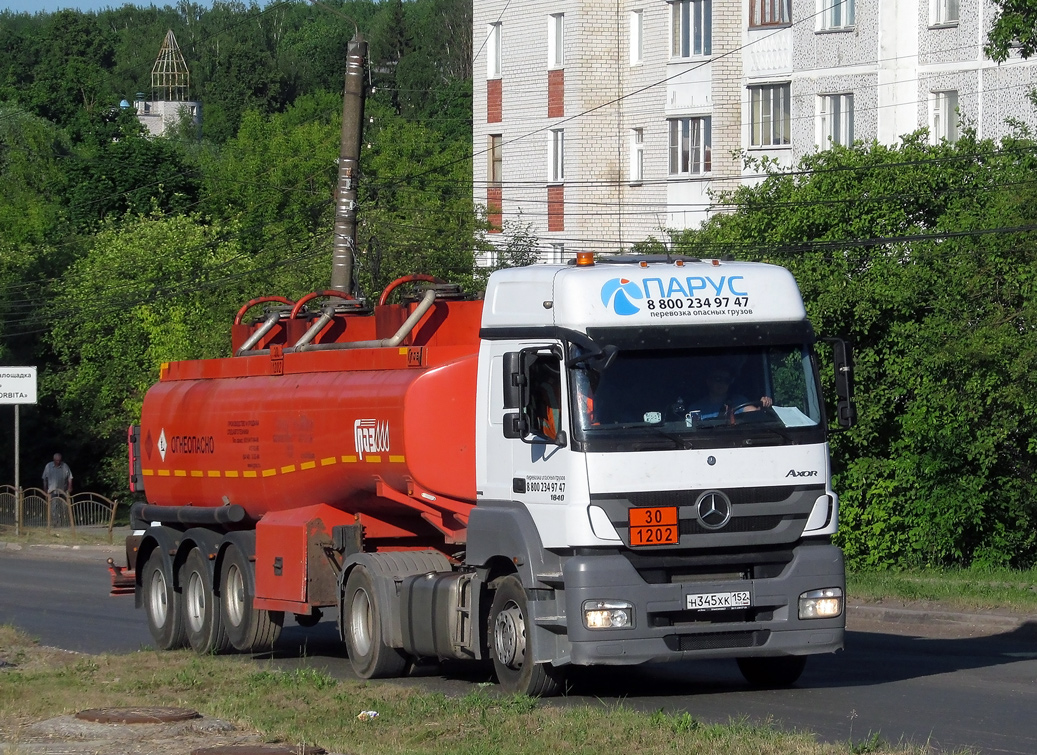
[
  {"x": 370, "y": 657},
  {"x": 202, "y": 621},
  {"x": 162, "y": 602},
  {"x": 248, "y": 629},
  {"x": 777, "y": 671},
  {"x": 509, "y": 628}
]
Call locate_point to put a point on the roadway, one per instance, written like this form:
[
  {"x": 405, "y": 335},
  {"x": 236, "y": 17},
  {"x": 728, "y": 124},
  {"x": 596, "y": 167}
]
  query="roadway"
[{"x": 950, "y": 692}]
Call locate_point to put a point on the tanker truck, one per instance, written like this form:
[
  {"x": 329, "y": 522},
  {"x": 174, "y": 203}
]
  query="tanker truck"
[{"x": 611, "y": 462}]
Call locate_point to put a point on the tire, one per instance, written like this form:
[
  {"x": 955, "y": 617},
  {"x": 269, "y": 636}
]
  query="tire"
[
  {"x": 202, "y": 620},
  {"x": 249, "y": 629},
  {"x": 777, "y": 671},
  {"x": 162, "y": 602},
  {"x": 508, "y": 630},
  {"x": 370, "y": 657}
]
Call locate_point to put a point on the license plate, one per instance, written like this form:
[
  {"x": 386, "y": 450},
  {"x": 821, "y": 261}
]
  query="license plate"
[
  {"x": 719, "y": 600},
  {"x": 654, "y": 526}
]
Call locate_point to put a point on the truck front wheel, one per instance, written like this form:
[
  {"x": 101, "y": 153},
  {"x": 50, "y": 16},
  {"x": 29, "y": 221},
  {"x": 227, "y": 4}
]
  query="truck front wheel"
[
  {"x": 162, "y": 602},
  {"x": 777, "y": 671},
  {"x": 509, "y": 628},
  {"x": 249, "y": 629},
  {"x": 370, "y": 657}
]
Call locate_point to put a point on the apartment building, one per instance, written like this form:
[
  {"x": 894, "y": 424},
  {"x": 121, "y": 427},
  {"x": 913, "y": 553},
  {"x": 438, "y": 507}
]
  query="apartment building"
[{"x": 601, "y": 123}]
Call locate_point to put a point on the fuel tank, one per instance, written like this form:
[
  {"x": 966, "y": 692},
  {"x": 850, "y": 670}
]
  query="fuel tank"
[{"x": 387, "y": 434}]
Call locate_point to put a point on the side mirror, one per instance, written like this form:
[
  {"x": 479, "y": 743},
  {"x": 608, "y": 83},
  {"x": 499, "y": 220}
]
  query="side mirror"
[
  {"x": 514, "y": 380},
  {"x": 843, "y": 359}
]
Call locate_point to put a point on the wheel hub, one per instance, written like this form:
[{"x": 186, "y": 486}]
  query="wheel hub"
[{"x": 509, "y": 637}]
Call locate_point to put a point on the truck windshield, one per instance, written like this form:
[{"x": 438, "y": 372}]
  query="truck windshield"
[{"x": 698, "y": 398}]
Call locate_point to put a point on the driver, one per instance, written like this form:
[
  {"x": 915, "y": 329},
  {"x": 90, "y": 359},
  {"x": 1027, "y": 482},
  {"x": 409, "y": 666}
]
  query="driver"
[{"x": 719, "y": 399}]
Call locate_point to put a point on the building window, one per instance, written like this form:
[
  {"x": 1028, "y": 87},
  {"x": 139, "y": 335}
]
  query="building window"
[
  {"x": 493, "y": 51},
  {"x": 770, "y": 12},
  {"x": 690, "y": 146},
  {"x": 495, "y": 160},
  {"x": 556, "y": 254},
  {"x": 691, "y": 28},
  {"x": 944, "y": 116},
  {"x": 769, "y": 112},
  {"x": 945, "y": 12},
  {"x": 637, "y": 155},
  {"x": 555, "y": 40},
  {"x": 556, "y": 155},
  {"x": 838, "y": 14},
  {"x": 636, "y": 36},
  {"x": 835, "y": 119}
]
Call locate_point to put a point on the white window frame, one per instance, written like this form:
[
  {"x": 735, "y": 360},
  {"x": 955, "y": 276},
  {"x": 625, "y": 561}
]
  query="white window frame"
[
  {"x": 770, "y": 119},
  {"x": 555, "y": 253},
  {"x": 943, "y": 116},
  {"x": 836, "y": 15},
  {"x": 493, "y": 51},
  {"x": 637, "y": 155},
  {"x": 763, "y": 13},
  {"x": 945, "y": 12},
  {"x": 691, "y": 28},
  {"x": 556, "y": 156},
  {"x": 690, "y": 146},
  {"x": 556, "y": 40},
  {"x": 835, "y": 116},
  {"x": 637, "y": 37}
]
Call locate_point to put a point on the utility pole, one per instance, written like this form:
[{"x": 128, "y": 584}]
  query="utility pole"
[{"x": 344, "y": 243}]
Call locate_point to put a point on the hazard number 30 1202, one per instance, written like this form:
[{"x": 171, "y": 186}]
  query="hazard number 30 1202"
[{"x": 654, "y": 526}]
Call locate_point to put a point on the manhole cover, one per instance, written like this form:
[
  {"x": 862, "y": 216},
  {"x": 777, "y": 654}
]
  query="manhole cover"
[
  {"x": 137, "y": 715},
  {"x": 260, "y": 750}
]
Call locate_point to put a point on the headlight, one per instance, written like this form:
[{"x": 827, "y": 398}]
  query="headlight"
[
  {"x": 608, "y": 614},
  {"x": 821, "y": 604}
]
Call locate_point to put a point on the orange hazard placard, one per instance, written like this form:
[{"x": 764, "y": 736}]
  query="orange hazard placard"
[{"x": 654, "y": 526}]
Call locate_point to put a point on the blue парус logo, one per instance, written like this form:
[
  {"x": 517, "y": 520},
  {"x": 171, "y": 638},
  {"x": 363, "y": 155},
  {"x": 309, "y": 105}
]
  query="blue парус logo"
[{"x": 618, "y": 293}]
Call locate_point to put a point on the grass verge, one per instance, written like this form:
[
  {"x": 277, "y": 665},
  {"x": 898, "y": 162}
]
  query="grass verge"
[
  {"x": 308, "y": 706},
  {"x": 963, "y": 589},
  {"x": 57, "y": 536}
]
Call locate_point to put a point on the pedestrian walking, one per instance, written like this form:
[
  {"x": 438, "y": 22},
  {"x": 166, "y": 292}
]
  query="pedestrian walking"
[{"x": 57, "y": 481}]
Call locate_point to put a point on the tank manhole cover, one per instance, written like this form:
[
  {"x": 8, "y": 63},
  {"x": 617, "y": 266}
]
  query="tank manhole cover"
[
  {"x": 137, "y": 715},
  {"x": 260, "y": 750}
]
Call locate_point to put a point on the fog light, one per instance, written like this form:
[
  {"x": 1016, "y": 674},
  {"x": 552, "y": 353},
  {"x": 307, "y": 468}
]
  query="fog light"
[
  {"x": 607, "y": 614},
  {"x": 821, "y": 604}
]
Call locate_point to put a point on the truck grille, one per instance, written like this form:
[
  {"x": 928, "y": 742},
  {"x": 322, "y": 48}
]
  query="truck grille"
[{"x": 717, "y": 640}]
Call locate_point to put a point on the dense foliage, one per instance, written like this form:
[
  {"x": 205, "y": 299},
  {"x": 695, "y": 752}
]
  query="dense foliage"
[
  {"x": 119, "y": 251},
  {"x": 925, "y": 257}
]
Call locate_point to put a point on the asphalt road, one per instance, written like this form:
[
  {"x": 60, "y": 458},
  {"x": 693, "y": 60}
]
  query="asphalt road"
[{"x": 978, "y": 693}]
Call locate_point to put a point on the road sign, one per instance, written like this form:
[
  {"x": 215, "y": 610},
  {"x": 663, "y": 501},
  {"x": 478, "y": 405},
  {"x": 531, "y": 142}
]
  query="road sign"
[{"x": 17, "y": 385}]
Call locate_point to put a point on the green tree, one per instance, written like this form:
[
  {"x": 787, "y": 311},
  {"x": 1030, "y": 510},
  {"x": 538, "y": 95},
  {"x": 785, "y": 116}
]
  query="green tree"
[
  {"x": 910, "y": 252},
  {"x": 1015, "y": 24}
]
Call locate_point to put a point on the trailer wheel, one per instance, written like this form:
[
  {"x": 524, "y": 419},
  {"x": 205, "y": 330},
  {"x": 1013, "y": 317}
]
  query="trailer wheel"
[
  {"x": 162, "y": 602},
  {"x": 370, "y": 657},
  {"x": 777, "y": 671},
  {"x": 248, "y": 629},
  {"x": 205, "y": 631},
  {"x": 509, "y": 628}
]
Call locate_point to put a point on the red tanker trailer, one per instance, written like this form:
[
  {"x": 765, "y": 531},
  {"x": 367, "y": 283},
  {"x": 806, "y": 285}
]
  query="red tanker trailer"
[{"x": 525, "y": 478}]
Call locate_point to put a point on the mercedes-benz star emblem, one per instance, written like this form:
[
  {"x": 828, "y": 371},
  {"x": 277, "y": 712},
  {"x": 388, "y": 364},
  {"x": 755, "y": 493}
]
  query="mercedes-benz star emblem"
[{"x": 713, "y": 510}]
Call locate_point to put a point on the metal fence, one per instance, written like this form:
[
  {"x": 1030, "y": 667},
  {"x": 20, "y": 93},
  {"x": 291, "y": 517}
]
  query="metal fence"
[{"x": 34, "y": 508}]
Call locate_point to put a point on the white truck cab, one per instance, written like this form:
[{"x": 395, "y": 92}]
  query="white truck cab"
[{"x": 652, "y": 466}]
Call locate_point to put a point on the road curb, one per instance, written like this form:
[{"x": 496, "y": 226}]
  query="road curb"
[{"x": 1024, "y": 625}]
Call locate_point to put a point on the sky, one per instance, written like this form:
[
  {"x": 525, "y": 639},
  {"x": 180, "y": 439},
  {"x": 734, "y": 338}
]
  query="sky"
[{"x": 49, "y": 6}]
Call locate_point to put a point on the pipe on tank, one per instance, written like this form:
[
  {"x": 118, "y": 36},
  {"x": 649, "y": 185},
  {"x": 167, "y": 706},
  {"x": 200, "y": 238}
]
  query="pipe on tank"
[
  {"x": 272, "y": 319},
  {"x": 408, "y": 325},
  {"x": 317, "y": 327},
  {"x": 261, "y": 300},
  {"x": 406, "y": 279},
  {"x": 231, "y": 514}
]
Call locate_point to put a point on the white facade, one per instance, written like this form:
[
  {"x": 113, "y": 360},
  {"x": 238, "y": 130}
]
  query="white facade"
[
  {"x": 662, "y": 96},
  {"x": 159, "y": 115}
]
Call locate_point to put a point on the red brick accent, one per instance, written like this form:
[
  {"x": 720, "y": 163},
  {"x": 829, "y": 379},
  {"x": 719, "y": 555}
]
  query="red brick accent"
[
  {"x": 556, "y": 93},
  {"x": 494, "y": 210},
  {"x": 494, "y": 98},
  {"x": 556, "y": 208}
]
